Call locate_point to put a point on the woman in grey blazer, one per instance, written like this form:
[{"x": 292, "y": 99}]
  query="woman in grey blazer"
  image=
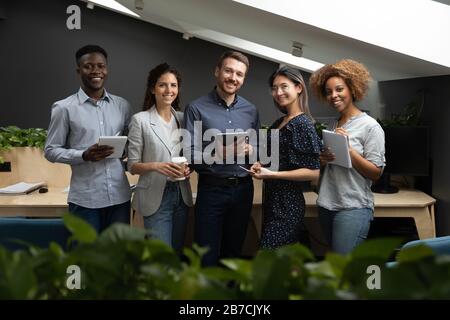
[{"x": 154, "y": 139}]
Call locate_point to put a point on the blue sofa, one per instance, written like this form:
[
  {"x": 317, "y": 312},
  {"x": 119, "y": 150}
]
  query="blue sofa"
[
  {"x": 440, "y": 245},
  {"x": 37, "y": 231}
]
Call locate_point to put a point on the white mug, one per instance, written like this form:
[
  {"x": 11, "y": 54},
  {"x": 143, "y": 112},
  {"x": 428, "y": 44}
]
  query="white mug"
[{"x": 182, "y": 161}]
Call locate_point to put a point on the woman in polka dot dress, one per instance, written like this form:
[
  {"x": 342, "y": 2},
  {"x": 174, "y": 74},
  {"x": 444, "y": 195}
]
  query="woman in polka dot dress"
[{"x": 299, "y": 149}]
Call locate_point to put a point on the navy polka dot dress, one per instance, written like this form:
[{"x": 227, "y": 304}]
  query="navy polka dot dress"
[{"x": 283, "y": 201}]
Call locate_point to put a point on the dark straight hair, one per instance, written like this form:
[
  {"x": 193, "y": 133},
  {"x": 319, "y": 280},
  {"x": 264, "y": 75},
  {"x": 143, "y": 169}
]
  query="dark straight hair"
[{"x": 296, "y": 77}]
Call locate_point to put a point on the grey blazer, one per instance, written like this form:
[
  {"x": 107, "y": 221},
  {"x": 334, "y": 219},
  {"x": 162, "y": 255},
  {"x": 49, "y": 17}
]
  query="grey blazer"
[{"x": 146, "y": 144}]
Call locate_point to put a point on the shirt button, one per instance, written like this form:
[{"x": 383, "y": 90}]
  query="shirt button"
[
  {"x": 229, "y": 121},
  {"x": 228, "y": 110},
  {"x": 110, "y": 185},
  {"x": 101, "y": 122}
]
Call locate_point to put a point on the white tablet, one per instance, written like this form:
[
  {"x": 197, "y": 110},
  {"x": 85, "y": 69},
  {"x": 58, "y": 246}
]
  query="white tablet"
[
  {"x": 118, "y": 142},
  {"x": 339, "y": 146}
]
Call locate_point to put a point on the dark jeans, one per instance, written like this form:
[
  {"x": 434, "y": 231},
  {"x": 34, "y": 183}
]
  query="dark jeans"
[
  {"x": 222, "y": 215},
  {"x": 101, "y": 218}
]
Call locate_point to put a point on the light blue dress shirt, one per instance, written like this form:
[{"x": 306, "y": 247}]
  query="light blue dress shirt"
[{"x": 76, "y": 123}]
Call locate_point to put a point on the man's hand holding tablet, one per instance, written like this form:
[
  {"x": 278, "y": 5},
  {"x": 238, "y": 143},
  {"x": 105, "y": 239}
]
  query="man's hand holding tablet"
[{"x": 107, "y": 147}]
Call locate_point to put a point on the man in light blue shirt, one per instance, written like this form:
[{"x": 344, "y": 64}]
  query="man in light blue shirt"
[{"x": 99, "y": 189}]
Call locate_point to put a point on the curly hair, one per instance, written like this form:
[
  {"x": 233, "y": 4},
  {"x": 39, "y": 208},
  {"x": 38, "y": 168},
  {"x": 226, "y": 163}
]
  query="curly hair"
[{"x": 355, "y": 75}]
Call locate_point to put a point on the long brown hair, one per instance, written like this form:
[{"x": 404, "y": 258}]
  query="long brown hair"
[{"x": 152, "y": 79}]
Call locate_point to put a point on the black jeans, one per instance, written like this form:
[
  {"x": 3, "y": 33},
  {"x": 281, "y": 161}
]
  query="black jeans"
[{"x": 222, "y": 215}]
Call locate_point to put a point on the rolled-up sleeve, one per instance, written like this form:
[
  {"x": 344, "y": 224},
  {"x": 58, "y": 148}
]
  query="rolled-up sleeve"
[{"x": 374, "y": 149}]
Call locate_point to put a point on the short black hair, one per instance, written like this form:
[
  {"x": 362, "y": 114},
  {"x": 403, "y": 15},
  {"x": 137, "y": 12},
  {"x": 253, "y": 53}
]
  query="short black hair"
[{"x": 90, "y": 48}]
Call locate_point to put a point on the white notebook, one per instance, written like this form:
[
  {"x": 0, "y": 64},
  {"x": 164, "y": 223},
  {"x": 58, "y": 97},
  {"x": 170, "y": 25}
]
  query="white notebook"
[
  {"x": 338, "y": 145},
  {"x": 21, "y": 188}
]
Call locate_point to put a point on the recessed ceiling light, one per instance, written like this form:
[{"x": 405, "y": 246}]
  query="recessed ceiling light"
[{"x": 114, "y": 5}]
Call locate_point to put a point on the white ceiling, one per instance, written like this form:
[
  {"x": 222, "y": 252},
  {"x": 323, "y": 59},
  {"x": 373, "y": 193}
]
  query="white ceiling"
[{"x": 270, "y": 36}]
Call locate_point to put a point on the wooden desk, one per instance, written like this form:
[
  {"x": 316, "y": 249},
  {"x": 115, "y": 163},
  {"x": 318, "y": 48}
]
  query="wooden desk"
[
  {"x": 50, "y": 204},
  {"x": 404, "y": 204},
  {"x": 407, "y": 203}
]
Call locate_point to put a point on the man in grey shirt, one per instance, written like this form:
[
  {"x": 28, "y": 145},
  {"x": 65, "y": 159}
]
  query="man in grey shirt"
[{"x": 99, "y": 189}]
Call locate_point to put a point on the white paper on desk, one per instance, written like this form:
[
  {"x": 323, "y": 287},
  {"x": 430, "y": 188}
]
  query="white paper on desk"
[
  {"x": 21, "y": 188},
  {"x": 118, "y": 142},
  {"x": 338, "y": 145}
]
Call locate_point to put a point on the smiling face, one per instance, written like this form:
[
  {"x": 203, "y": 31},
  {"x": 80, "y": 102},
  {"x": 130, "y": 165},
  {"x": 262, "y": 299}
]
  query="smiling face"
[
  {"x": 93, "y": 72},
  {"x": 230, "y": 76},
  {"x": 338, "y": 94},
  {"x": 285, "y": 92},
  {"x": 166, "y": 89}
]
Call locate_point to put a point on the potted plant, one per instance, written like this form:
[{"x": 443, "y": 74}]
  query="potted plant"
[
  {"x": 13, "y": 136},
  {"x": 23, "y": 149}
]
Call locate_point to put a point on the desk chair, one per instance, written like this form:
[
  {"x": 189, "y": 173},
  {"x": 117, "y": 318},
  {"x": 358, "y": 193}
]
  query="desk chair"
[{"x": 38, "y": 232}]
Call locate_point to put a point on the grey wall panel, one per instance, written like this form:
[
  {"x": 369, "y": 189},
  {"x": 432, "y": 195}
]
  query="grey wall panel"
[{"x": 38, "y": 66}]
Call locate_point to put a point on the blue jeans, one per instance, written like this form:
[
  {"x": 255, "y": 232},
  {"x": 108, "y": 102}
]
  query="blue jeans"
[
  {"x": 169, "y": 222},
  {"x": 102, "y": 218},
  {"x": 345, "y": 229},
  {"x": 222, "y": 214}
]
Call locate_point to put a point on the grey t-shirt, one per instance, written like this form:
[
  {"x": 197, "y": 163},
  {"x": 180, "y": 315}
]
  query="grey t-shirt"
[{"x": 342, "y": 188}]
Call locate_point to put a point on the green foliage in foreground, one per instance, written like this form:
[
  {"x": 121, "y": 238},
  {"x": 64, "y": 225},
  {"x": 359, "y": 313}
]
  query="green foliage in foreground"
[{"x": 120, "y": 264}]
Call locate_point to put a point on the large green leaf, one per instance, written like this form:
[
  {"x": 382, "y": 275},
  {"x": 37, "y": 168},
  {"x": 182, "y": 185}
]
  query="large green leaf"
[
  {"x": 120, "y": 231},
  {"x": 381, "y": 248},
  {"x": 414, "y": 253},
  {"x": 270, "y": 275},
  {"x": 17, "y": 279},
  {"x": 82, "y": 231}
]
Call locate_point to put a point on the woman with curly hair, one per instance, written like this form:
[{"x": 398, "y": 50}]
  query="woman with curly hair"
[{"x": 345, "y": 200}]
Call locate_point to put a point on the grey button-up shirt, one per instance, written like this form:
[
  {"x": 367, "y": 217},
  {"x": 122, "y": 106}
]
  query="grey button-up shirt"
[{"x": 76, "y": 123}]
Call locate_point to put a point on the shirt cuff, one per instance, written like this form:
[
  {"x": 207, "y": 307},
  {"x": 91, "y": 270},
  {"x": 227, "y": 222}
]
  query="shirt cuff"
[{"x": 78, "y": 157}]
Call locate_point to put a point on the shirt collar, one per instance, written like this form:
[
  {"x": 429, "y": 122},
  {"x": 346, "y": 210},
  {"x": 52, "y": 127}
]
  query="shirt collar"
[
  {"x": 215, "y": 96},
  {"x": 83, "y": 97}
]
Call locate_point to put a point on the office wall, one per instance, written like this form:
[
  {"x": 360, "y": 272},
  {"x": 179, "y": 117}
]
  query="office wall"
[
  {"x": 38, "y": 67},
  {"x": 2, "y": 10},
  {"x": 436, "y": 114}
]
